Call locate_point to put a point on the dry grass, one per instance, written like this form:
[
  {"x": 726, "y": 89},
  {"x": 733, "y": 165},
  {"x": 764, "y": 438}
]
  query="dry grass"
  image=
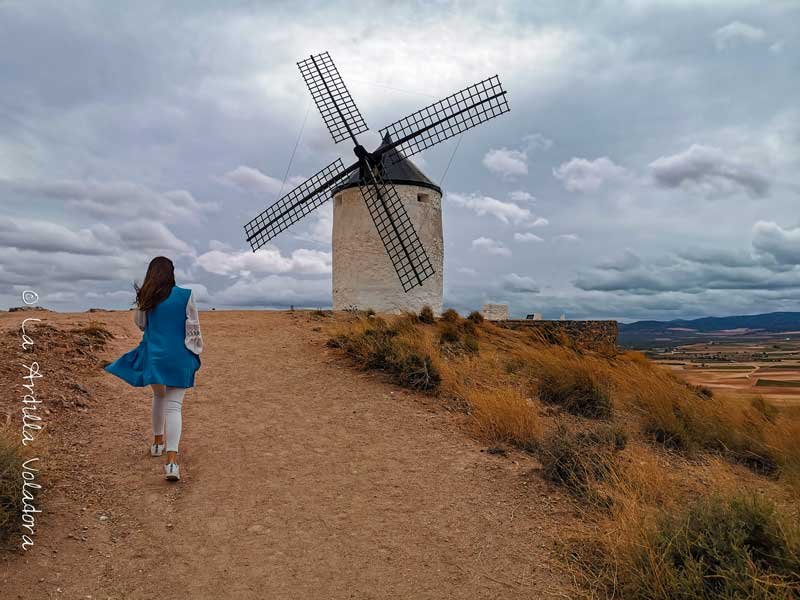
[
  {"x": 11, "y": 497},
  {"x": 505, "y": 416},
  {"x": 631, "y": 441}
]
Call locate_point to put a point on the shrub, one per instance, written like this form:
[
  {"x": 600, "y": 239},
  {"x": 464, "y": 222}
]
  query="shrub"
[
  {"x": 426, "y": 315},
  {"x": 449, "y": 333},
  {"x": 394, "y": 348},
  {"x": 451, "y": 316},
  {"x": 719, "y": 548},
  {"x": 579, "y": 460},
  {"x": 457, "y": 338},
  {"x": 92, "y": 336},
  {"x": 576, "y": 388},
  {"x": 475, "y": 317}
]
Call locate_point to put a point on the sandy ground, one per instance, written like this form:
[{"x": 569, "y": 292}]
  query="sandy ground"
[{"x": 301, "y": 478}]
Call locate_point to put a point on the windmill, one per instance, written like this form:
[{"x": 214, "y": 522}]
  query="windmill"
[{"x": 423, "y": 129}]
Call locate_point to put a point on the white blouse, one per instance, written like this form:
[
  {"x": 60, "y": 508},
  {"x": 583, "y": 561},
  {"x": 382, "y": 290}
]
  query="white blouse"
[{"x": 193, "y": 340}]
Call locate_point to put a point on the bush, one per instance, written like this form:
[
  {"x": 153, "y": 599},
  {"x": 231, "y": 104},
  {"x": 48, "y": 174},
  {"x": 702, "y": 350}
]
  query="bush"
[
  {"x": 739, "y": 547},
  {"x": 451, "y": 316},
  {"x": 579, "y": 460},
  {"x": 393, "y": 348},
  {"x": 579, "y": 391},
  {"x": 426, "y": 315},
  {"x": 475, "y": 317},
  {"x": 449, "y": 333},
  {"x": 458, "y": 338}
]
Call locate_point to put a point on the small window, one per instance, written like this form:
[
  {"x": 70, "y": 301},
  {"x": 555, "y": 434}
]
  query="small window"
[{"x": 424, "y": 198}]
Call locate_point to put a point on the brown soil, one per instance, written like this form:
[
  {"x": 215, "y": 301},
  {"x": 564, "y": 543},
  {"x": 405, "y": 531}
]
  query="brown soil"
[{"x": 301, "y": 478}]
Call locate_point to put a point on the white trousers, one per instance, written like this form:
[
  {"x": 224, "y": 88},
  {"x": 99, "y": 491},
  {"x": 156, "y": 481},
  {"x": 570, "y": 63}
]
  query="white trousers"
[{"x": 167, "y": 403}]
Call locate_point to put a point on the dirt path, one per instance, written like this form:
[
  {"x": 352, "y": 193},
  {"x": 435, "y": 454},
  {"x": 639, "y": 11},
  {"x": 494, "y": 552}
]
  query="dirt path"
[{"x": 302, "y": 478}]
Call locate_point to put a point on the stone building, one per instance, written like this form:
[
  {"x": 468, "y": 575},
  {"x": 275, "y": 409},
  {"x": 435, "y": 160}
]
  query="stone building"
[{"x": 363, "y": 275}]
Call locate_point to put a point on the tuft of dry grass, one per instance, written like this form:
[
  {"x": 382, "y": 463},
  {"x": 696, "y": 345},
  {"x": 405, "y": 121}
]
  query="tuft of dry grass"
[
  {"x": 580, "y": 460},
  {"x": 505, "y": 416},
  {"x": 721, "y": 546},
  {"x": 11, "y": 498}
]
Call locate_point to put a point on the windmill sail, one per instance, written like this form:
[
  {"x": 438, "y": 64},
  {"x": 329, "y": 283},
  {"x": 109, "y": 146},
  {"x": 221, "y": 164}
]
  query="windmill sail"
[
  {"x": 446, "y": 118},
  {"x": 439, "y": 121},
  {"x": 340, "y": 113},
  {"x": 295, "y": 205},
  {"x": 408, "y": 256}
]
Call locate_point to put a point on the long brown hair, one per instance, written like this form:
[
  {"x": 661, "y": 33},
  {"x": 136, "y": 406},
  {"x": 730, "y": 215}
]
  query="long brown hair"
[{"x": 158, "y": 283}]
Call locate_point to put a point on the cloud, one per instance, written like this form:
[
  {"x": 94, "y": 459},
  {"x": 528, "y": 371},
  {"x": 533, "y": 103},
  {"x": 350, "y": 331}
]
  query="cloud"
[
  {"x": 490, "y": 246},
  {"x": 568, "y": 237},
  {"x": 467, "y": 271},
  {"x": 504, "y": 211},
  {"x": 736, "y": 32},
  {"x": 519, "y": 284},
  {"x": 321, "y": 228},
  {"x": 522, "y": 196},
  {"x": 44, "y": 236},
  {"x": 582, "y": 175},
  {"x": 509, "y": 163},
  {"x": 267, "y": 260},
  {"x": 249, "y": 179},
  {"x": 777, "y": 47},
  {"x": 527, "y": 237},
  {"x": 710, "y": 170},
  {"x": 772, "y": 266},
  {"x": 114, "y": 199},
  {"x": 783, "y": 245},
  {"x": 536, "y": 141},
  {"x": 506, "y": 163},
  {"x": 152, "y": 237},
  {"x": 276, "y": 291}
]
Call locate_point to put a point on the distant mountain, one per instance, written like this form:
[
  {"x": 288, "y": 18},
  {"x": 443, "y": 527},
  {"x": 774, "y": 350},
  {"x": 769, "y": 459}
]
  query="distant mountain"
[{"x": 683, "y": 331}]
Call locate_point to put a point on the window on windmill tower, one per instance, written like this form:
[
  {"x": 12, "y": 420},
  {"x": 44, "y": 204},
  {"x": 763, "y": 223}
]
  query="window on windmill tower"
[{"x": 424, "y": 198}]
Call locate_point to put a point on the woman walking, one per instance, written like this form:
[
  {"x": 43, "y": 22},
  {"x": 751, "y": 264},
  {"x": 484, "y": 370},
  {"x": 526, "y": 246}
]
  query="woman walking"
[{"x": 167, "y": 357}]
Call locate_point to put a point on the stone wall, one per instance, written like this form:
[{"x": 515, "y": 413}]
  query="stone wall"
[{"x": 594, "y": 335}]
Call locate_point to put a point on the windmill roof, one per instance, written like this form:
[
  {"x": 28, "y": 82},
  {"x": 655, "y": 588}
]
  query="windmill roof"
[{"x": 401, "y": 172}]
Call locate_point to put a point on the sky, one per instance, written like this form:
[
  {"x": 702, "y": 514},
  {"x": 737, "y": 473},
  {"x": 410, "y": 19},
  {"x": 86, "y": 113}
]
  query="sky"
[{"x": 649, "y": 166}]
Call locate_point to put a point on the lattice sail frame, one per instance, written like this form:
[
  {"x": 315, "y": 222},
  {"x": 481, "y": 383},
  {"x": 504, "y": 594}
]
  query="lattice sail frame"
[
  {"x": 306, "y": 197},
  {"x": 448, "y": 117},
  {"x": 399, "y": 237},
  {"x": 340, "y": 113}
]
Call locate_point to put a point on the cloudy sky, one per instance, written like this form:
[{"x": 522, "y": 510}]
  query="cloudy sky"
[{"x": 649, "y": 167}]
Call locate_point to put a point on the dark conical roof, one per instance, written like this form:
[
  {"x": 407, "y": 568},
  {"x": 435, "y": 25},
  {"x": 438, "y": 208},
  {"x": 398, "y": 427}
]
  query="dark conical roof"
[{"x": 401, "y": 172}]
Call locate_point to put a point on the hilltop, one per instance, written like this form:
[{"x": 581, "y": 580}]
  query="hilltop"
[{"x": 644, "y": 334}]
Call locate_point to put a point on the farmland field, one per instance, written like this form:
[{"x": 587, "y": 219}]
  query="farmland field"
[{"x": 769, "y": 368}]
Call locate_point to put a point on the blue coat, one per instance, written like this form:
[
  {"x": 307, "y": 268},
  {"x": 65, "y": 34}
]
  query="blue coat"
[{"x": 161, "y": 356}]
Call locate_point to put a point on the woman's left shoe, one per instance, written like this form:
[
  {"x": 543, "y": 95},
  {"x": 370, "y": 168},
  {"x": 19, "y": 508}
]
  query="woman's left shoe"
[
  {"x": 172, "y": 472},
  {"x": 156, "y": 449}
]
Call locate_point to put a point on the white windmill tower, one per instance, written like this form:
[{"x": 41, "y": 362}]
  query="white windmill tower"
[
  {"x": 363, "y": 275},
  {"x": 383, "y": 187}
]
